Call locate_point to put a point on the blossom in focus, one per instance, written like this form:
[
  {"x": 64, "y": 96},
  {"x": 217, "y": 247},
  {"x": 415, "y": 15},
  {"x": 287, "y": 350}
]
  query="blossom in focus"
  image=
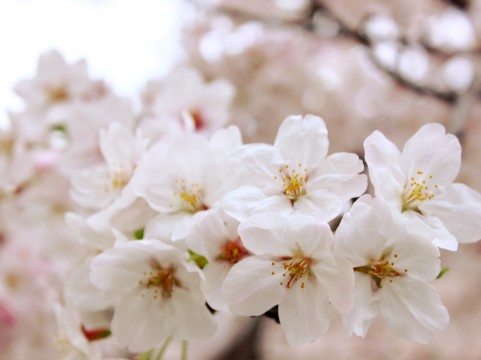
[
  {"x": 294, "y": 175},
  {"x": 418, "y": 183},
  {"x": 182, "y": 181},
  {"x": 292, "y": 266},
  {"x": 215, "y": 237},
  {"x": 393, "y": 270},
  {"x": 155, "y": 295}
]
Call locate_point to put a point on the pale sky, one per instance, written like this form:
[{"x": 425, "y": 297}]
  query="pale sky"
[{"x": 124, "y": 41}]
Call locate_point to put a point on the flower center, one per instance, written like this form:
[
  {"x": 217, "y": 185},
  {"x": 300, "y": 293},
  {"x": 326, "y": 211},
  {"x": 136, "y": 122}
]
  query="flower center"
[
  {"x": 120, "y": 178},
  {"x": 380, "y": 270},
  {"x": 233, "y": 251},
  {"x": 160, "y": 281},
  {"x": 294, "y": 268},
  {"x": 57, "y": 93},
  {"x": 293, "y": 182},
  {"x": 418, "y": 190},
  {"x": 190, "y": 197},
  {"x": 197, "y": 119}
]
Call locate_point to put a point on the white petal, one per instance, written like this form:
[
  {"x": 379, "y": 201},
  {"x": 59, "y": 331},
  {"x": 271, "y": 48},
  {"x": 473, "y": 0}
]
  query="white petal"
[
  {"x": 254, "y": 165},
  {"x": 384, "y": 163},
  {"x": 366, "y": 307},
  {"x": 459, "y": 208},
  {"x": 358, "y": 237},
  {"x": 192, "y": 318},
  {"x": 433, "y": 152},
  {"x": 302, "y": 139},
  {"x": 413, "y": 309},
  {"x": 312, "y": 236},
  {"x": 304, "y": 313},
  {"x": 321, "y": 204},
  {"x": 215, "y": 273},
  {"x": 140, "y": 323},
  {"x": 251, "y": 288},
  {"x": 415, "y": 254},
  {"x": 339, "y": 173},
  {"x": 264, "y": 234},
  {"x": 247, "y": 200},
  {"x": 337, "y": 276}
]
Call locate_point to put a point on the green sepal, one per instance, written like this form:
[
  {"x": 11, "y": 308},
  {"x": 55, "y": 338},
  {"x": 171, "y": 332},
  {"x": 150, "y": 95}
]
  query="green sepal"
[
  {"x": 139, "y": 234},
  {"x": 200, "y": 260},
  {"x": 442, "y": 272}
]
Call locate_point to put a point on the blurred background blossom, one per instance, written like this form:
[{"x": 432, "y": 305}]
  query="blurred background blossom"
[{"x": 391, "y": 66}]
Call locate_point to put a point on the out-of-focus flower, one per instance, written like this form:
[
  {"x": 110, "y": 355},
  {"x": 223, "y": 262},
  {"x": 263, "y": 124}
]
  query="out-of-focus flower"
[
  {"x": 155, "y": 294},
  {"x": 185, "y": 101},
  {"x": 98, "y": 187}
]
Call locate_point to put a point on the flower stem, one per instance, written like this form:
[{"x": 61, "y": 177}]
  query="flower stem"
[
  {"x": 183, "y": 353},
  {"x": 164, "y": 347}
]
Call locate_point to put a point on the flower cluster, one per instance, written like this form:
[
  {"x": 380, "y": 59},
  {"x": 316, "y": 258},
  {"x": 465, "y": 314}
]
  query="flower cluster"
[{"x": 173, "y": 218}]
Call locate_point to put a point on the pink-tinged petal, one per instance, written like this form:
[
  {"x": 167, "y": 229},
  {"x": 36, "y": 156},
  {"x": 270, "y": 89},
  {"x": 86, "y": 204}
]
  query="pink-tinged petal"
[
  {"x": 313, "y": 237},
  {"x": 366, "y": 307},
  {"x": 304, "y": 313},
  {"x": 263, "y": 234},
  {"x": 459, "y": 209},
  {"x": 321, "y": 204},
  {"x": 433, "y": 152},
  {"x": 215, "y": 274},
  {"x": 384, "y": 163},
  {"x": 248, "y": 200},
  {"x": 413, "y": 309},
  {"x": 337, "y": 276},
  {"x": 302, "y": 139},
  {"x": 250, "y": 287}
]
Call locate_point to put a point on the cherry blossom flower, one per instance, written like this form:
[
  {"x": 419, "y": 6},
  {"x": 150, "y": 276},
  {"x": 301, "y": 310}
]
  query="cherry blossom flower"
[
  {"x": 418, "y": 183},
  {"x": 184, "y": 101},
  {"x": 393, "y": 270},
  {"x": 182, "y": 181},
  {"x": 99, "y": 186},
  {"x": 294, "y": 175},
  {"x": 292, "y": 266},
  {"x": 57, "y": 81},
  {"x": 155, "y": 295},
  {"x": 215, "y": 237}
]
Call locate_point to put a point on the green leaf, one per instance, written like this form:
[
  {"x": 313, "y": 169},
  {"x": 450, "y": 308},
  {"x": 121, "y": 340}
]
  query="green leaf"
[
  {"x": 442, "y": 272},
  {"x": 198, "y": 259}
]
